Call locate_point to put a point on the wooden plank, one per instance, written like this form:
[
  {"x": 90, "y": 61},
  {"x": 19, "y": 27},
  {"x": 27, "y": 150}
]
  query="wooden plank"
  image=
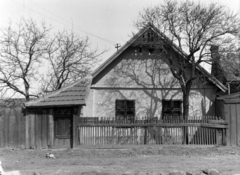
[
  {"x": 228, "y": 119},
  {"x": 11, "y": 128},
  {"x": 238, "y": 123},
  {"x": 27, "y": 122},
  {"x": 38, "y": 130},
  {"x": 1, "y": 128},
  {"x": 76, "y": 114},
  {"x": 7, "y": 125},
  {"x": 169, "y": 125},
  {"x": 233, "y": 125},
  {"x": 44, "y": 129},
  {"x": 17, "y": 128},
  {"x": 51, "y": 128},
  {"x": 32, "y": 131},
  {"x": 22, "y": 138}
]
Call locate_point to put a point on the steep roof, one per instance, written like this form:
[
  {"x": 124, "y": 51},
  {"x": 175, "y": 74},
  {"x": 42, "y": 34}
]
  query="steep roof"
[
  {"x": 72, "y": 95},
  {"x": 211, "y": 78}
]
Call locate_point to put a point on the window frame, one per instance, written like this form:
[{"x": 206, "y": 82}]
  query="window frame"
[
  {"x": 125, "y": 109},
  {"x": 171, "y": 109}
]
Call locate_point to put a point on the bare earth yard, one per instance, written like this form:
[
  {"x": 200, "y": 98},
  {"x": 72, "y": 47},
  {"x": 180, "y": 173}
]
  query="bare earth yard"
[{"x": 123, "y": 160}]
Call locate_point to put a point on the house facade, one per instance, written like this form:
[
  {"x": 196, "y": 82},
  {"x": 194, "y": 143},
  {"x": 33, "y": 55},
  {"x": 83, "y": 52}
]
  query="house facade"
[{"x": 136, "y": 82}]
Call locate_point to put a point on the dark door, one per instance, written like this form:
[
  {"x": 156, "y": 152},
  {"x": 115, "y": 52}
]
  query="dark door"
[{"x": 63, "y": 120}]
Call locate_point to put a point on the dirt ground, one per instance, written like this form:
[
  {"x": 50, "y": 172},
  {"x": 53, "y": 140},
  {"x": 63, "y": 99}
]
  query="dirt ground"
[{"x": 123, "y": 160}]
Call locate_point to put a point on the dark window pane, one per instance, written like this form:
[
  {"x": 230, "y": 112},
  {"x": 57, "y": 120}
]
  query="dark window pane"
[
  {"x": 166, "y": 104},
  {"x": 171, "y": 109},
  {"x": 120, "y": 104},
  {"x": 176, "y": 104},
  {"x": 130, "y": 104},
  {"x": 125, "y": 108}
]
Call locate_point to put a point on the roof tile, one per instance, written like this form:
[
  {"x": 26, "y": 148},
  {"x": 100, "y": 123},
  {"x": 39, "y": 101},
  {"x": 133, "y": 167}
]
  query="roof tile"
[{"x": 74, "y": 94}]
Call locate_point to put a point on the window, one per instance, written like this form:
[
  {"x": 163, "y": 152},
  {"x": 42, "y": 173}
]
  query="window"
[
  {"x": 171, "y": 108},
  {"x": 125, "y": 110}
]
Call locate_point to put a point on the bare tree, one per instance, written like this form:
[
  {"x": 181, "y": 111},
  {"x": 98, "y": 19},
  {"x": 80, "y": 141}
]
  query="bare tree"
[
  {"x": 21, "y": 53},
  {"x": 193, "y": 27},
  {"x": 70, "y": 58}
]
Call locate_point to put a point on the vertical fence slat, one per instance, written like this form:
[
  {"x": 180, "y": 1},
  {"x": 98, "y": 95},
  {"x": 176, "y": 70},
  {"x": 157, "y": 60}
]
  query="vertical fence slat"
[
  {"x": 2, "y": 128},
  {"x": 238, "y": 123},
  {"x": 233, "y": 124}
]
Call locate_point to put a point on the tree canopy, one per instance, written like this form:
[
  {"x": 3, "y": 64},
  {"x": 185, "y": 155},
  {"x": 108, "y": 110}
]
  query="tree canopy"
[{"x": 31, "y": 46}]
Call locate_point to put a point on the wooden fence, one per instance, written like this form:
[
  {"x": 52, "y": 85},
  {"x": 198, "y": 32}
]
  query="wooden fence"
[
  {"x": 195, "y": 130},
  {"x": 32, "y": 131},
  {"x": 12, "y": 128},
  {"x": 229, "y": 109}
]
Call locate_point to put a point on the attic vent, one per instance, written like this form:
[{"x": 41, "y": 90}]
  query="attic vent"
[{"x": 150, "y": 36}]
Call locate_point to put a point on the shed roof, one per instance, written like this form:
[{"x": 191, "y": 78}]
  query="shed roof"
[
  {"x": 71, "y": 95},
  {"x": 211, "y": 78}
]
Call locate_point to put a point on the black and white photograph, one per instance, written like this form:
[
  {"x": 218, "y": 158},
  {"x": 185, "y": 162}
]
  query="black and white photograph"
[{"x": 119, "y": 87}]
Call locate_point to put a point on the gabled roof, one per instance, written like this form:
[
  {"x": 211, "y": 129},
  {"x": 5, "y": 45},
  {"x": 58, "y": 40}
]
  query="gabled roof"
[
  {"x": 71, "y": 95},
  {"x": 211, "y": 78}
]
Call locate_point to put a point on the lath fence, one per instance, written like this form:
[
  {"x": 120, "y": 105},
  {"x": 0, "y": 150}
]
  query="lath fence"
[{"x": 196, "y": 130}]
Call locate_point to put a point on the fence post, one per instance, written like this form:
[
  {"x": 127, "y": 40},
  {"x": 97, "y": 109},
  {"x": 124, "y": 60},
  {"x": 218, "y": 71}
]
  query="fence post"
[
  {"x": 145, "y": 135},
  {"x": 219, "y": 136}
]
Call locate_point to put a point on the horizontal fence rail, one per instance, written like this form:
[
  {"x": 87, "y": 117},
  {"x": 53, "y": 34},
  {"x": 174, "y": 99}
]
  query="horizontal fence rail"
[{"x": 208, "y": 130}]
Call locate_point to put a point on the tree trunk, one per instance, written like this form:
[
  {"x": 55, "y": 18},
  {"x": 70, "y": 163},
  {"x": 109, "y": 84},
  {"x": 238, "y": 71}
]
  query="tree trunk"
[
  {"x": 186, "y": 93},
  {"x": 186, "y": 104},
  {"x": 27, "y": 96}
]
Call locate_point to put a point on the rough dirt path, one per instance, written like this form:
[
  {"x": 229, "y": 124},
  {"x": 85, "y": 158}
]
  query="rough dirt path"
[{"x": 123, "y": 160}]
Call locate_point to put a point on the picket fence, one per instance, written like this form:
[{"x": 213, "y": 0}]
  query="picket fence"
[{"x": 196, "y": 130}]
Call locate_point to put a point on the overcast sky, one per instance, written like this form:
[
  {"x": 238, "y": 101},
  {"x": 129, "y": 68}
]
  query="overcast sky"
[{"x": 105, "y": 22}]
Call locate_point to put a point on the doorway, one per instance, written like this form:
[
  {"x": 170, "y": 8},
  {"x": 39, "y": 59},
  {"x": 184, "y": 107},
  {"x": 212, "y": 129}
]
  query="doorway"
[{"x": 63, "y": 129}]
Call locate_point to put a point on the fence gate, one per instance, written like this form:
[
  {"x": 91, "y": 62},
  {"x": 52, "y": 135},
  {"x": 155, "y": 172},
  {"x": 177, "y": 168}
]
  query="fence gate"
[{"x": 195, "y": 130}]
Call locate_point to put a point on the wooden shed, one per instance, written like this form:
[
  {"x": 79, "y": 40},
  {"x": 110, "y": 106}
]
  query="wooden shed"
[
  {"x": 51, "y": 121},
  {"x": 228, "y": 107}
]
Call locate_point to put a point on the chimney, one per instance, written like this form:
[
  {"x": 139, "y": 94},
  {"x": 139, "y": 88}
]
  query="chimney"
[{"x": 216, "y": 67}]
